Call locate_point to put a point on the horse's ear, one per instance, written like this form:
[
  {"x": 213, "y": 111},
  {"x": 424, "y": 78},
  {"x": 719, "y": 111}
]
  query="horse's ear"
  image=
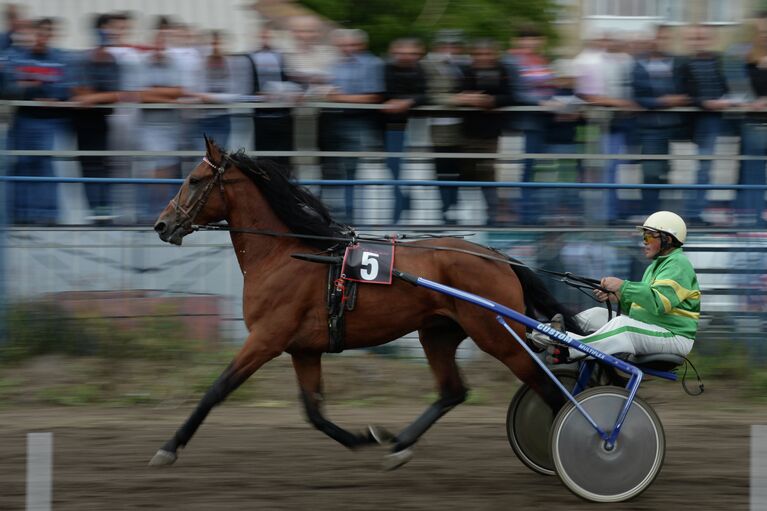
[{"x": 211, "y": 149}]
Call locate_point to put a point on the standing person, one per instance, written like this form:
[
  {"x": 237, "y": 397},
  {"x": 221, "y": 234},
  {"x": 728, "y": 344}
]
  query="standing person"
[
  {"x": 564, "y": 137},
  {"x": 310, "y": 59},
  {"x": 661, "y": 312},
  {"x": 124, "y": 134},
  {"x": 444, "y": 78},
  {"x": 405, "y": 88},
  {"x": 532, "y": 84},
  {"x": 736, "y": 54},
  {"x": 97, "y": 83},
  {"x": 308, "y": 62},
  {"x": 272, "y": 127},
  {"x": 215, "y": 85},
  {"x": 183, "y": 47},
  {"x": 656, "y": 85},
  {"x": 485, "y": 86},
  {"x": 606, "y": 82},
  {"x": 37, "y": 73},
  {"x": 703, "y": 80},
  {"x": 161, "y": 128},
  {"x": 14, "y": 23},
  {"x": 357, "y": 79},
  {"x": 751, "y": 203}
]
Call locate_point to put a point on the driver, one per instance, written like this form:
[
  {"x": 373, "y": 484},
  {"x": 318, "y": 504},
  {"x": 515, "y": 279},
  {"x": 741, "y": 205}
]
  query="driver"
[{"x": 661, "y": 312}]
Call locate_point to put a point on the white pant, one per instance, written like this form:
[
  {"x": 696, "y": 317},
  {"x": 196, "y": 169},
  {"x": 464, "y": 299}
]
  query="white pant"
[{"x": 625, "y": 335}]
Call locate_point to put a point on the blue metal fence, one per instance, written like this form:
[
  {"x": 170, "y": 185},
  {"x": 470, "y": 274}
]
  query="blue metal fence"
[{"x": 47, "y": 261}]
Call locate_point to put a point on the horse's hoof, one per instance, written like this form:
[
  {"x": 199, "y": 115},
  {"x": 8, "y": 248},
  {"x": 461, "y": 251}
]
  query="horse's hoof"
[
  {"x": 397, "y": 459},
  {"x": 163, "y": 458},
  {"x": 380, "y": 435}
]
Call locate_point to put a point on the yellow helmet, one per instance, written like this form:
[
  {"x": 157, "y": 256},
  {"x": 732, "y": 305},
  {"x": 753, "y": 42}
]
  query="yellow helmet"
[{"x": 668, "y": 222}]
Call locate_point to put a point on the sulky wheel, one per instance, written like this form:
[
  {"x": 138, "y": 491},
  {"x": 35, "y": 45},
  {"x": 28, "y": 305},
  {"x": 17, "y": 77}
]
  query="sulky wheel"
[
  {"x": 528, "y": 423},
  {"x": 583, "y": 463}
]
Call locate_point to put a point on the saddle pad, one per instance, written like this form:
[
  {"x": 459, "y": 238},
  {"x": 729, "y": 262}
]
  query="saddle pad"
[{"x": 371, "y": 263}]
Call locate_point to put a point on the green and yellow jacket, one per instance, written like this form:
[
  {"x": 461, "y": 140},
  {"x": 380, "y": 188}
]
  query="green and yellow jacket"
[{"x": 668, "y": 295}]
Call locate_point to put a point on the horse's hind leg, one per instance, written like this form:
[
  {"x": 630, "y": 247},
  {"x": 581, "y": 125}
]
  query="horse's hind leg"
[
  {"x": 439, "y": 345},
  {"x": 309, "y": 374},
  {"x": 252, "y": 356},
  {"x": 491, "y": 338}
]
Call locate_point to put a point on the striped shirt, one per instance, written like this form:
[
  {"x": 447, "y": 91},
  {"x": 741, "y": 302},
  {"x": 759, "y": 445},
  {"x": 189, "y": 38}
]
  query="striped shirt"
[
  {"x": 703, "y": 78},
  {"x": 668, "y": 295}
]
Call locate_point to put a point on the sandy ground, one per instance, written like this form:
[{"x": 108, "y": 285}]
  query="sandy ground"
[{"x": 260, "y": 457}]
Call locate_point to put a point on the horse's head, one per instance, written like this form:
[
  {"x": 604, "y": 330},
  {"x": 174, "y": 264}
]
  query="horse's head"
[{"x": 200, "y": 200}]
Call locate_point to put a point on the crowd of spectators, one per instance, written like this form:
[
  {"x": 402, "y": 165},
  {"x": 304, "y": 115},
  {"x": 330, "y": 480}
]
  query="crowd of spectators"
[{"x": 638, "y": 79}]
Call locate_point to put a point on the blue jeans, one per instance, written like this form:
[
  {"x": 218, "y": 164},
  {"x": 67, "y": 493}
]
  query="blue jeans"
[
  {"x": 394, "y": 142},
  {"x": 707, "y": 129},
  {"x": 535, "y": 142},
  {"x": 654, "y": 141},
  {"x": 448, "y": 169},
  {"x": 33, "y": 202},
  {"x": 616, "y": 141},
  {"x": 564, "y": 200},
  {"x": 751, "y": 202}
]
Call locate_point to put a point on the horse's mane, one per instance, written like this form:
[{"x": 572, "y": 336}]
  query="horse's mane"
[{"x": 297, "y": 207}]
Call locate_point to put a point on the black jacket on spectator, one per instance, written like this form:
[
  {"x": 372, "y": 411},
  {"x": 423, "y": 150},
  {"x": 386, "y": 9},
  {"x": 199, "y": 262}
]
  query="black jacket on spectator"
[
  {"x": 279, "y": 74},
  {"x": 272, "y": 127},
  {"x": 758, "y": 77},
  {"x": 403, "y": 83},
  {"x": 651, "y": 79},
  {"x": 702, "y": 78},
  {"x": 494, "y": 82}
]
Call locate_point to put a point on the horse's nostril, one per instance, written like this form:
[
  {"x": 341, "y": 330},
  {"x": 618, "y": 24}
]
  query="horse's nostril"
[{"x": 159, "y": 227}]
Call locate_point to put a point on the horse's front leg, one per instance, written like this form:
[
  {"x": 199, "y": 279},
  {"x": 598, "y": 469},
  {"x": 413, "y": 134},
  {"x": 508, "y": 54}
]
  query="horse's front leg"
[
  {"x": 254, "y": 353},
  {"x": 309, "y": 374}
]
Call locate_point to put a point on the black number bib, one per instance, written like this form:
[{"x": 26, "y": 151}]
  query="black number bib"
[{"x": 369, "y": 262}]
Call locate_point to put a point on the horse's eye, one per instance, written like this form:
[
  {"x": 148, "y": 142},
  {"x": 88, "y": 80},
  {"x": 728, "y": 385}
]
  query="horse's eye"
[{"x": 194, "y": 180}]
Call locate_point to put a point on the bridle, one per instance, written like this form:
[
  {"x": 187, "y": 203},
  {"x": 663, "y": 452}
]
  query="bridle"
[{"x": 189, "y": 214}]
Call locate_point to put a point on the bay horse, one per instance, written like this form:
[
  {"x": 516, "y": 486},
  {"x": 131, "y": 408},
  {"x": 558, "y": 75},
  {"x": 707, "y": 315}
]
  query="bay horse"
[{"x": 284, "y": 299}]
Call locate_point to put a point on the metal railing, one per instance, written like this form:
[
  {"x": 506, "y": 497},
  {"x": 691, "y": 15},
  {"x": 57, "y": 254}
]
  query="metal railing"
[{"x": 36, "y": 256}]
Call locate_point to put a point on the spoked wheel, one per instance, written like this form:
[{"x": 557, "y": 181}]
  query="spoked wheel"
[
  {"x": 587, "y": 467},
  {"x": 528, "y": 425}
]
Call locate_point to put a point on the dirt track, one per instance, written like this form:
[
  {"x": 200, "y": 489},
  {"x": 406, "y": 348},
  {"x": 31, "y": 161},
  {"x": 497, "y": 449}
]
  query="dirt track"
[{"x": 268, "y": 458}]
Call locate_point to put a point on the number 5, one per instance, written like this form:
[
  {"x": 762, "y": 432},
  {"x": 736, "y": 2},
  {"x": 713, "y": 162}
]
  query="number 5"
[{"x": 369, "y": 263}]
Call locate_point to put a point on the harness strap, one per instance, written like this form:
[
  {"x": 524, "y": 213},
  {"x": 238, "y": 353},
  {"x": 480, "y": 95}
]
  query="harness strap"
[
  {"x": 570, "y": 279},
  {"x": 341, "y": 297}
]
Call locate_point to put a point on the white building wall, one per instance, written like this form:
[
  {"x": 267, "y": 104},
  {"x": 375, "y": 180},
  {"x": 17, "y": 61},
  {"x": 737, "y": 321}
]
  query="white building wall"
[{"x": 234, "y": 17}]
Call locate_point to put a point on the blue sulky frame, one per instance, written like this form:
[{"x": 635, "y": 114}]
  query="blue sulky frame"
[{"x": 586, "y": 369}]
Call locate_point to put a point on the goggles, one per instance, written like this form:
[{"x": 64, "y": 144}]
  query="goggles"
[{"x": 648, "y": 236}]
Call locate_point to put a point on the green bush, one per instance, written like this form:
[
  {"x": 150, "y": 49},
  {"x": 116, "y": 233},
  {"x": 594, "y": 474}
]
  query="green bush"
[
  {"x": 732, "y": 363},
  {"x": 72, "y": 395},
  {"x": 37, "y": 328},
  {"x": 43, "y": 327},
  {"x": 757, "y": 384}
]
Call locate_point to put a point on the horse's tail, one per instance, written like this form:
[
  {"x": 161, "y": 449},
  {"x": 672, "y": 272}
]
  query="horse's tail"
[{"x": 539, "y": 301}]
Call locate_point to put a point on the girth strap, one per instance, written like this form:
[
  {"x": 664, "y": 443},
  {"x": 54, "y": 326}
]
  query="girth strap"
[{"x": 341, "y": 297}]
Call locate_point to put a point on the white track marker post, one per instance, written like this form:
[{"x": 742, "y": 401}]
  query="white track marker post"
[
  {"x": 758, "y": 468},
  {"x": 39, "y": 471}
]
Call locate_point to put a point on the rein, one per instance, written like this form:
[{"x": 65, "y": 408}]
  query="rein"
[
  {"x": 189, "y": 214},
  {"x": 576, "y": 281}
]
